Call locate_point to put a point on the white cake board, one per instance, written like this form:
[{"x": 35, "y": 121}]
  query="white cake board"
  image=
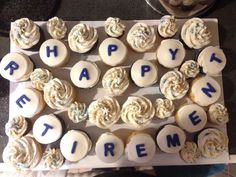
[{"x": 87, "y": 95}]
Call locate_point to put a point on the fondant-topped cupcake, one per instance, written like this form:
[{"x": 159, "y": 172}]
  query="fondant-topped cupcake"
[
  {"x": 168, "y": 26},
  {"x": 82, "y": 38},
  {"x": 141, "y": 37},
  {"x": 56, "y": 27},
  {"x": 164, "y": 108},
  {"x": 218, "y": 114},
  {"x": 114, "y": 27},
  {"x": 53, "y": 158},
  {"x": 195, "y": 33},
  {"x": 24, "y": 33},
  {"x": 77, "y": 112},
  {"x": 190, "y": 69}
]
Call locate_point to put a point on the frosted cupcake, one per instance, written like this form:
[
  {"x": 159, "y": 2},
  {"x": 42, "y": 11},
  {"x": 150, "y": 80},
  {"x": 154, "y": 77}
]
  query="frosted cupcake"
[
  {"x": 218, "y": 114},
  {"x": 190, "y": 69},
  {"x": 104, "y": 112},
  {"x": 173, "y": 85},
  {"x": 52, "y": 158},
  {"x": 114, "y": 27},
  {"x": 57, "y": 28},
  {"x": 137, "y": 111},
  {"x": 77, "y": 112},
  {"x": 115, "y": 81},
  {"x": 190, "y": 152},
  {"x": 24, "y": 33},
  {"x": 82, "y": 38},
  {"x": 168, "y": 26},
  {"x": 164, "y": 108},
  {"x": 195, "y": 33},
  {"x": 141, "y": 37},
  {"x": 175, "y": 2}
]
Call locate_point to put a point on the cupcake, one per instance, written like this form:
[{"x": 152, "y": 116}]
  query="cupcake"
[
  {"x": 75, "y": 145},
  {"x": 77, "y": 112},
  {"x": 47, "y": 129},
  {"x": 16, "y": 127},
  {"x": 23, "y": 154},
  {"x": 82, "y": 38},
  {"x": 175, "y": 2},
  {"x": 218, "y": 114},
  {"x": 52, "y": 158},
  {"x": 190, "y": 69},
  {"x": 144, "y": 73},
  {"x": 188, "y": 4},
  {"x": 170, "y": 53},
  {"x": 57, "y": 28},
  {"x": 212, "y": 143},
  {"x": 173, "y": 85},
  {"x": 28, "y": 102},
  {"x": 85, "y": 74},
  {"x": 168, "y": 26},
  {"x": 59, "y": 94},
  {"x": 109, "y": 148},
  {"x": 16, "y": 67},
  {"x": 195, "y": 33},
  {"x": 39, "y": 77},
  {"x": 54, "y": 53},
  {"x": 114, "y": 27},
  {"x": 205, "y": 91},
  {"x": 141, "y": 37},
  {"x": 104, "y": 112},
  {"x": 137, "y": 111},
  {"x": 24, "y": 33},
  {"x": 164, "y": 108},
  {"x": 112, "y": 51},
  {"x": 115, "y": 81},
  {"x": 212, "y": 60},
  {"x": 140, "y": 147},
  {"x": 190, "y": 152}
]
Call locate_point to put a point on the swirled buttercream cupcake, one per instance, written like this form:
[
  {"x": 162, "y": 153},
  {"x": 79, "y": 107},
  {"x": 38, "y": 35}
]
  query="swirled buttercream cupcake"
[
  {"x": 53, "y": 158},
  {"x": 168, "y": 26},
  {"x": 174, "y": 85},
  {"x": 58, "y": 94},
  {"x": 218, "y": 114},
  {"x": 116, "y": 81},
  {"x": 77, "y": 112},
  {"x": 114, "y": 27},
  {"x": 190, "y": 152},
  {"x": 137, "y": 111},
  {"x": 82, "y": 38},
  {"x": 24, "y": 153},
  {"x": 212, "y": 142},
  {"x": 195, "y": 33},
  {"x": 164, "y": 108},
  {"x": 16, "y": 127},
  {"x": 56, "y": 27},
  {"x": 24, "y": 33},
  {"x": 141, "y": 37},
  {"x": 104, "y": 112},
  {"x": 190, "y": 69},
  {"x": 39, "y": 77}
]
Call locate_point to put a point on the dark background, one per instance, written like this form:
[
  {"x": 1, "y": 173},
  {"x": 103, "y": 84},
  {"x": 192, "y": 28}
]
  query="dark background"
[{"x": 224, "y": 10}]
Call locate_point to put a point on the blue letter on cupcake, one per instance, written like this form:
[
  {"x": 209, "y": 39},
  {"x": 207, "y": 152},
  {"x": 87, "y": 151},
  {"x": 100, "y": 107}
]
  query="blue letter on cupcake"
[
  {"x": 210, "y": 89},
  {"x": 111, "y": 48},
  {"x": 47, "y": 127},
  {"x": 173, "y": 140},
  {"x": 194, "y": 118},
  {"x": 54, "y": 51},
  {"x": 144, "y": 69},
  {"x": 140, "y": 148},
  {"x": 22, "y": 100},
  {"x": 109, "y": 148},
  {"x": 84, "y": 73},
  {"x": 173, "y": 53},
  {"x": 214, "y": 58},
  {"x": 74, "y": 147},
  {"x": 12, "y": 66}
]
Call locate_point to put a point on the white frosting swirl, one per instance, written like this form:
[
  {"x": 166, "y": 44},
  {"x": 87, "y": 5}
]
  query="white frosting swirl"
[
  {"x": 174, "y": 85},
  {"x": 164, "y": 108},
  {"x": 190, "y": 153},
  {"x": 82, "y": 38},
  {"x": 114, "y": 27},
  {"x": 116, "y": 81},
  {"x": 104, "y": 112},
  {"x": 58, "y": 94},
  {"x": 168, "y": 26},
  {"x": 24, "y": 33},
  {"x": 53, "y": 158},
  {"x": 190, "y": 69},
  {"x": 195, "y": 33},
  {"x": 212, "y": 142},
  {"x": 137, "y": 111},
  {"x": 77, "y": 112},
  {"x": 16, "y": 127},
  {"x": 56, "y": 27},
  {"x": 141, "y": 37},
  {"x": 39, "y": 77},
  {"x": 218, "y": 114},
  {"x": 23, "y": 153}
]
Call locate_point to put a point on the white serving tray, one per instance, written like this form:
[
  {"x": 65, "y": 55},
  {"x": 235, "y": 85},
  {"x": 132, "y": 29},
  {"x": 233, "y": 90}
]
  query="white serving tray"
[{"x": 87, "y": 95}]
